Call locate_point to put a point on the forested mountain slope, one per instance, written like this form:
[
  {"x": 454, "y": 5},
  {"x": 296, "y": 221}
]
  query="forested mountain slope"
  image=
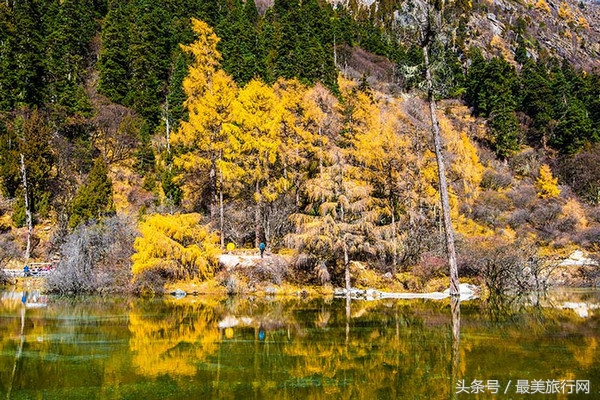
[{"x": 300, "y": 124}]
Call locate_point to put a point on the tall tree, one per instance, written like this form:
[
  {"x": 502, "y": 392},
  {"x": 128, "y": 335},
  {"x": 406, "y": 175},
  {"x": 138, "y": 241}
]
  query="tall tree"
[
  {"x": 67, "y": 48},
  {"x": 28, "y": 53},
  {"x": 95, "y": 198},
  {"x": 114, "y": 59},
  {"x": 240, "y": 45},
  {"x": 429, "y": 24},
  {"x": 384, "y": 154},
  {"x": 336, "y": 224},
  {"x": 149, "y": 59},
  {"x": 258, "y": 115},
  {"x": 8, "y": 68},
  {"x": 30, "y": 136},
  {"x": 205, "y": 155}
]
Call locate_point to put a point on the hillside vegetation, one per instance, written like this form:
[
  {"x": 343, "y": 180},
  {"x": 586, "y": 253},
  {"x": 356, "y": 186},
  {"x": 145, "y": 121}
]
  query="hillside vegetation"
[{"x": 154, "y": 134}]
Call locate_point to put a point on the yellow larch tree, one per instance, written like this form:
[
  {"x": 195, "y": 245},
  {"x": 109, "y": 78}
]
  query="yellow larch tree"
[
  {"x": 206, "y": 143},
  {"x": 338, "y": 221},
  {"x": 565, "y": 12},
  {"x": 299, "y": 135},
  {"x": 541, "y": 5},
  {"x": 384, "y": 155},
  {"x": 546, "y": 183},
  {"x": 177, "y": 245},
  {"x": 466, "y": 167},
  {"x": 257, "y": 112}
]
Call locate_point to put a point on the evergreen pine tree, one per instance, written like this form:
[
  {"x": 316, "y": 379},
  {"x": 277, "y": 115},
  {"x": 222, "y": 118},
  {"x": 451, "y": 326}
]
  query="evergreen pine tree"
[
  {"x": 149, "y": 55},
  {"x": 176, "y": 97},
  {"x": 534, "y": 95},
  {"x": 521, "y": 50},
  {"x": 8, "y": 69},
  {"x": 239, "y": 45},
  {"x": 67, "y": 48},
  {"x": 93, "y": 199},
  {"x": 114, "y": 60},
  {"x": 574, "y": 129},
  {"x": 28, "y": 53}
]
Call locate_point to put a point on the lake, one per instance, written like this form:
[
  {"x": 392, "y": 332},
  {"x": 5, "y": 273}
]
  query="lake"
[{"x": 543, "y": 346}]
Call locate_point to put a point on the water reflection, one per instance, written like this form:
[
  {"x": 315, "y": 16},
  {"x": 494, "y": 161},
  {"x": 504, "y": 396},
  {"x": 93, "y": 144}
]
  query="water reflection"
[
  {"x": 199, "y": 347},
  {"x": 455, "y": 312}
]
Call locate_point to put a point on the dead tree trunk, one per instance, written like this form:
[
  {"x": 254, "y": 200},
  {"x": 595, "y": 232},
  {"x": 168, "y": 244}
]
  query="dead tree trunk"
[
  {"x": 437, "y": 142},
  {"x": 27, "y": 210}
]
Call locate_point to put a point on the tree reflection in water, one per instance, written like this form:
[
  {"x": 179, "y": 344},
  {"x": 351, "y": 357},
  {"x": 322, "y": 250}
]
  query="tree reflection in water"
[{"x": 288, "y": 348}]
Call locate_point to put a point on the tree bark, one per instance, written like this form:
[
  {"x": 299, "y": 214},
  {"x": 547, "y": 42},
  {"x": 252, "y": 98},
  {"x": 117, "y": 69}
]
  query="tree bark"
[
  {"x": 395, "y": 239},
  {"x": 455, "y": 309},
  {"x": 257, "y": 215},
  {"x": 437, "y": 142},
  {"x": 168, "y": 125},
  {"x": 221, "y": 212},
  {"x": 27, "y": 210}
]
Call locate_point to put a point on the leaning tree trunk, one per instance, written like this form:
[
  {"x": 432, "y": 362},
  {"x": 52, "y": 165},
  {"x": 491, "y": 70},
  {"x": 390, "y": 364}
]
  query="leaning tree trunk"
[
  {"x": 437, "y": 142},
  {"x": 221, "y": 212},
  {"x": 27, "y": 211},
  {"x": 257, "y": 206}
]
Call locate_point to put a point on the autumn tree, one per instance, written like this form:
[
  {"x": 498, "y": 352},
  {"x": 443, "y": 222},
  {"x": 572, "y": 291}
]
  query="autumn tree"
[
  {"x": 430, "y": 22},
  {"x": 336, "y": 224},
  {"x": 175, "y": 245},
  {"x": 258, "y": 116},
  {"x": 384, "y": 153},
  {"x": 206, "y": 140},
  {"x": 546, "y": 183}
]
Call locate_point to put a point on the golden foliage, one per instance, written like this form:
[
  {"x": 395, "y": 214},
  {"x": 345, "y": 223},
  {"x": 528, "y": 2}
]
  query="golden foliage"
[
  {"x": 176, "y": 243},
  {"x": 583, "y": 22},
  {"x": 207, "y": 141},
  {"x": 172, "y": 345},
  {"x": 258, "y": 115},
  {"x": 565, "y": 12},
  {"x": 546, "y": 184},
  {"x": 466, "y": 167},
  {"x": 501, "y": 47},
  {"x": 572, "y": 210},
  {"x": 541, "y": 5},
  {"x": 206, "y": 59}
]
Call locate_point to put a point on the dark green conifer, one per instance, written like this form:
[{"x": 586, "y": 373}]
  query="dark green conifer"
[
  {"x": 114, "y": 60},
  {"x": 149, "y": 60},
  {"x": 8, "y": 68},
  {"x": 176, "y": 96},
  {"x": 94, "y": 199},
  {"x": 28, "y": 51}
]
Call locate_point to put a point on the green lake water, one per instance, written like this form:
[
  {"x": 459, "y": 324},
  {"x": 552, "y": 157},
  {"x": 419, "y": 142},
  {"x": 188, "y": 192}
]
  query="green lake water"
[{"x": 292, "y": 348}]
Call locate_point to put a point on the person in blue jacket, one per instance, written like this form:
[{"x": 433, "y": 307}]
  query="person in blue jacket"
[{"x": 262, "y": 248}]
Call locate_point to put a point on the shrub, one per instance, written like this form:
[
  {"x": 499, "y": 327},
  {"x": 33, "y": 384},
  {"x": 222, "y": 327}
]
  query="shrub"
[
  {"x": 522, "y": 196},
  {"x": 495, "y": 180},
  {"x": 504, "y": 267},
  {"x": 95, "y": 258},
  {"x": 431, "y": 266},
  {"x": 545, "y": 214},
  {"x": 582, "y": 173},
  {"x": 490, "y": 206}
]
